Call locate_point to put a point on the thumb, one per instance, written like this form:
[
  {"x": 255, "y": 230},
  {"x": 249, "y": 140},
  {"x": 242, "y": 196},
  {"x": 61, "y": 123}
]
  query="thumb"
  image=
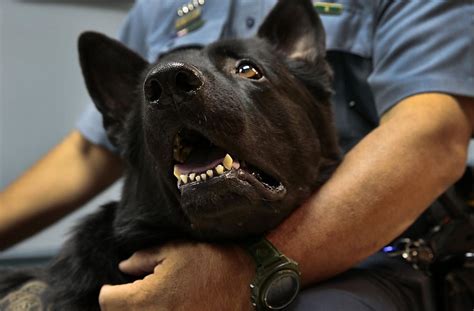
[
  {"x": 115, "y": 297},
  {"x": 141, "y": 262}
]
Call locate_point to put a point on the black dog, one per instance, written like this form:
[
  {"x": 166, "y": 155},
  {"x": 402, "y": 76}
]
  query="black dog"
[{"x": 220, "y": 143}]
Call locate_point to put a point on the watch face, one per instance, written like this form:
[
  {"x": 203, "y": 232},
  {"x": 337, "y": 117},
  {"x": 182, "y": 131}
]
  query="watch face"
[{"x": 281, "y": 289}]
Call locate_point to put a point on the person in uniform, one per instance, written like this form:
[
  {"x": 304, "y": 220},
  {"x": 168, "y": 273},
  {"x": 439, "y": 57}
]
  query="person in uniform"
[{"x": 404, "y": 109}]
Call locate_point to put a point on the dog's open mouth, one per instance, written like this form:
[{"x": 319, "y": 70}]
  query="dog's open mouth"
[{"x": 198, "y": 160}]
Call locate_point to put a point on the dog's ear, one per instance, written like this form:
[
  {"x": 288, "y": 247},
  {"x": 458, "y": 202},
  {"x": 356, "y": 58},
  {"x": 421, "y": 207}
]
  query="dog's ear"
[
  {"x": 112, "y": 73},
  {"x": 294, "y": 28}
]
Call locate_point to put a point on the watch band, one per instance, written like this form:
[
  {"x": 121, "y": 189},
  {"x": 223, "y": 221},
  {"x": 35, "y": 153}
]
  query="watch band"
[
  {"x": 263, "y": 252},
  {"x": 277, "y": 280}
]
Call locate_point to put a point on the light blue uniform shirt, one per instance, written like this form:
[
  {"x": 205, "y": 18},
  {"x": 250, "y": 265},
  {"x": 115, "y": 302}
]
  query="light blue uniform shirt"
[{"x": 381, "y": 51}]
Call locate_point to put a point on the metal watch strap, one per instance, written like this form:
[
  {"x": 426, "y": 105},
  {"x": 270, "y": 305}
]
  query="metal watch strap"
[{"x": 272, "y": 266}]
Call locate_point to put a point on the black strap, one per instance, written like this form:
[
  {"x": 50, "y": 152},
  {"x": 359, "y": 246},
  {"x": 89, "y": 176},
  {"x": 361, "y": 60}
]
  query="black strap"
[{"x": 262, "y": 252}]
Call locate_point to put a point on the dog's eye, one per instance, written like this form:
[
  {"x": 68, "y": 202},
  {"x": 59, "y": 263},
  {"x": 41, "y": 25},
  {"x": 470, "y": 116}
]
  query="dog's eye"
[{"x": 248, "y": 70}]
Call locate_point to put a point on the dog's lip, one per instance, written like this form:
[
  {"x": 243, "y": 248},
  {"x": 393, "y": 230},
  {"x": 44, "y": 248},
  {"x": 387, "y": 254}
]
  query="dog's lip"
[
  {"x": 201, "y": 172},
  {"x": 268, "y": 193}
]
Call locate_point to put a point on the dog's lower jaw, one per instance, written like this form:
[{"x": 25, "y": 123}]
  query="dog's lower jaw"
[{"x": 229, "y": 214}]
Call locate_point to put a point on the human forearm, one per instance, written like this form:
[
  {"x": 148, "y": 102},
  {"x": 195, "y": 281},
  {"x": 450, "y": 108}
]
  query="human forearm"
[
  {"x": 72, "y": 173},
  {"x": 381, "y": 187}
]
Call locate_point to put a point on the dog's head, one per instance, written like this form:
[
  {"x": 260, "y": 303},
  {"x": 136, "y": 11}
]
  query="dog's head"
[{"x": 231, "y": 137}]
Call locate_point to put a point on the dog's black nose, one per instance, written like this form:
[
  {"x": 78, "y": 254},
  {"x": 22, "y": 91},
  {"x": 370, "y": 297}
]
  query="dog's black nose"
[{"x": 171, "y": 80}]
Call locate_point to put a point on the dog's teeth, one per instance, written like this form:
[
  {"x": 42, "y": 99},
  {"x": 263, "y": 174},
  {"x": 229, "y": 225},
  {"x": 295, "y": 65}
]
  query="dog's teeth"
[
  {"x": 203, "y": 176},
  {"x": 192, "y": 176},
  {"x": 210, "y": 173},
  {"x": 220, "y": 169},
  {"x": 176, "y": 172},
  {"x": 228, "y": 162},
  {"x": 198, "y": 178},
  {"x": 184, "y": 179}
]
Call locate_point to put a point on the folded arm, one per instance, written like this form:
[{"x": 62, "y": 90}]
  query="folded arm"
[{"x": 382, "y": 186}]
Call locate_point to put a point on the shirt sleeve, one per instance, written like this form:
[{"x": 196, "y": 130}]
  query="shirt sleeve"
[
  {"x": 422, "y": 46},
  {"x": 133, "y": 34}
]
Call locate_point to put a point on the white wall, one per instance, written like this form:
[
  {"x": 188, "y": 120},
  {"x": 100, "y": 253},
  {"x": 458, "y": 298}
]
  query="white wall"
[{"x": 41, "y": 88}]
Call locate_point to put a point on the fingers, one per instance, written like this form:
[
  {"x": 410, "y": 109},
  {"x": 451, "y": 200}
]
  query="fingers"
[{"x": 141, "y": 262}]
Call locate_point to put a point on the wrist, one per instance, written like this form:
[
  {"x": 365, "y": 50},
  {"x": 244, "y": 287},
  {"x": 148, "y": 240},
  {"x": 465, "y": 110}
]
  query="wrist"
[
  {"x": 291, "y": 238},
  {"x": 277, "y": 278}
]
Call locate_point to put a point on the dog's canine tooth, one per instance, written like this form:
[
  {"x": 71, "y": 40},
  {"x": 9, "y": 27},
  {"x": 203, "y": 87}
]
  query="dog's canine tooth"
[
  {"x": 185, "y": 151},
  {"x": 177, "y": 140},
  {"x": 184, "y": 179},
  {"x": 177, "y": 149},
  {"x": 203, "y": 176},
  {"x": 228, "y": 162},
  {"x": 210, "y": 173},
  {"x": 220, "y": 169},
  {"x": 198, "y": 178},
  {"x": 192, "y": 176},
  {"x": 176, "y": 172}
]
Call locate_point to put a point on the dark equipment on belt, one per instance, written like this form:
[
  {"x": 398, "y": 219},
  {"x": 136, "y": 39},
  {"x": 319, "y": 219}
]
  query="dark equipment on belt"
[{"x": 447, "y": 251}]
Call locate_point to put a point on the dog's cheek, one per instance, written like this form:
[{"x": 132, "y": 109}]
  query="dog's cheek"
[{"x": 218, "y": 111}]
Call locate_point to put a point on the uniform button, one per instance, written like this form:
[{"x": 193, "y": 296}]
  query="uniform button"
[
  {"x": 352, "y": 104},
  {"x": 250, "y": 21}
]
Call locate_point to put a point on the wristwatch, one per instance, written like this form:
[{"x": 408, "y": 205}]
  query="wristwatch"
[{"x": 277, "y": 280}]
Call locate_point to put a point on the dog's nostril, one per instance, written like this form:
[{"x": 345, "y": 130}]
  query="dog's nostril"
[
  {"x": 153, "y": 90},
  {"x": 187, "y": 81}
]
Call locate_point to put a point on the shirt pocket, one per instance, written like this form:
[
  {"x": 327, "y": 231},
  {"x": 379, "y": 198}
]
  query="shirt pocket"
[
  {"x": 352, "y": 30},
  {"x": 214, "y": 17}
]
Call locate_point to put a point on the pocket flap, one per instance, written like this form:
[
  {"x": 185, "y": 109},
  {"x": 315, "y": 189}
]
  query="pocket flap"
[{"x": 352, "y": 30}]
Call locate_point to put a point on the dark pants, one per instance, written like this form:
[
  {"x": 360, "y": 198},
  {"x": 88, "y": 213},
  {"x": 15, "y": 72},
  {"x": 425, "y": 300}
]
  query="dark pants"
[{"x": 379, "y": 283}]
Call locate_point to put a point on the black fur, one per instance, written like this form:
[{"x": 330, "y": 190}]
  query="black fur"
[{"x": 281, "y": 124}]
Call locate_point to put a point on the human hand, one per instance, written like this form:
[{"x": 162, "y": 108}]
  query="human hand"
[{"x": 183, "y": 276}]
